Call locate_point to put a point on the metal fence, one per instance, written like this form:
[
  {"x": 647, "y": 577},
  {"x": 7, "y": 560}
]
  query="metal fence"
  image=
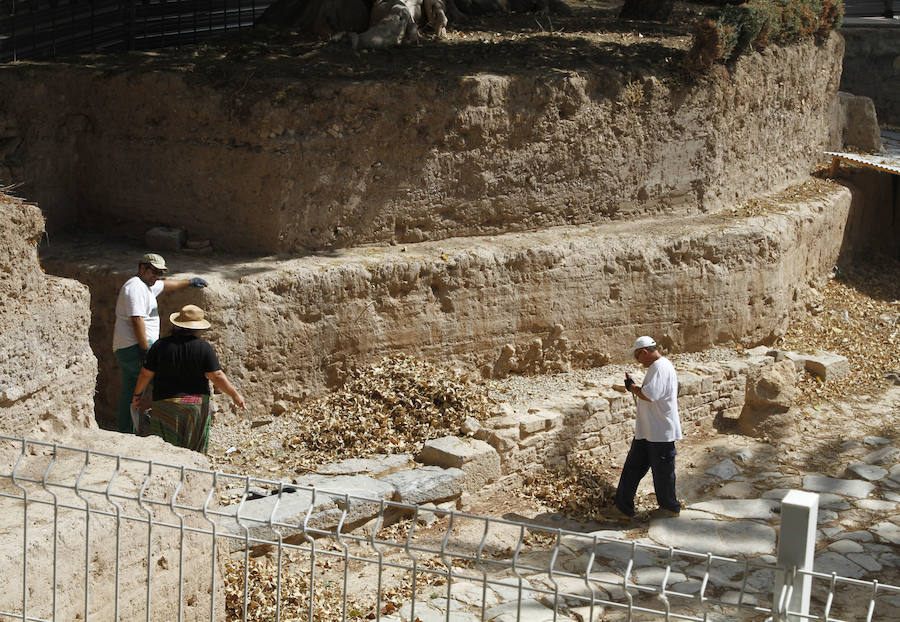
[
  {"x": 96, "y": 536},
  {"x": 40, "y": 29}
]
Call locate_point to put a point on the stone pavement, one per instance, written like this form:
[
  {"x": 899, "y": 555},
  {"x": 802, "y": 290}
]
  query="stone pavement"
[{"x": 858, "y": 537}]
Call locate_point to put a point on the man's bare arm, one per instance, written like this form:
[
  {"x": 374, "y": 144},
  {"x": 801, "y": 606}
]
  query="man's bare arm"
[{"x": 140, "y": 331}]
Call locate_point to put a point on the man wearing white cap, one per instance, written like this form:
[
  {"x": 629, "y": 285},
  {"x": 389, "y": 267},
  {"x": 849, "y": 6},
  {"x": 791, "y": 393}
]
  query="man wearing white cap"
[
  {"x": 137, "y": 324},
  {"x": 656, "y": 429}
]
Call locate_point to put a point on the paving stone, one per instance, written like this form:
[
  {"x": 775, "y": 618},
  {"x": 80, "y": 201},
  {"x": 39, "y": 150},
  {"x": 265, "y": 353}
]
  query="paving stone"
[
  {"x": 726, "y": 469},
  {"x": 740, "y": 508},
  {"x": 769, "y": 474},
  {"x": 845, "y": 546},
  {"x": 826, "y": 500},
  {"x": 734, "y": 597},
  {"x": 885, "y": 456},
  {"x": 530, "y": 611},
  {"x": 574, "y": 587},
  {"x": 761, "y": 581},
  {"x": 846, "y": 487},
  {"x": 427, "y": 613},
  {"x": 833, "y": 562},
  {"x": 891, "y": 560},
  {"x": 426, "y": 484},
  {"x": 858, "y": 536},
  {"x": 509, "y": 589},
  {"x": 377, "y": 465},
  {"x": 831, "y": 531},
  {"x": 892, "y": 496},
  {"x": 887, "y": 531},
  {"x": 826, "y": 516},
  {"x": 744, "y": 455},
  {"x": 687, "y": 587},
  {"x": 584, "y": 613},
  {"x": 875, "y": 440},
  {"x": 867, "y": 471},
  {"x": 737, "y": 490},
  {"x": 654, "y": 575},
  {"x": 876, "y": 505},
  {"x": 622, "y": 552},
  {"x": 866, "y": 561},
  {"x": 826, "y": 365},
  {"x": 718, "y": 537},
  {"x": 894, "y": 473}
]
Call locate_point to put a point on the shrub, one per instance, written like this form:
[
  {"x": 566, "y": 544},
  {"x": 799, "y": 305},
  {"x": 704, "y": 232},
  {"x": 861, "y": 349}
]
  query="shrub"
[{"x": 740, "y": 28}]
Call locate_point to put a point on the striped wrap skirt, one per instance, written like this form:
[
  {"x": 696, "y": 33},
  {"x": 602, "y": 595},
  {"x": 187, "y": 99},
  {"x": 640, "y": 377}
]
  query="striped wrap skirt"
[{"x": 182, "y": 421}]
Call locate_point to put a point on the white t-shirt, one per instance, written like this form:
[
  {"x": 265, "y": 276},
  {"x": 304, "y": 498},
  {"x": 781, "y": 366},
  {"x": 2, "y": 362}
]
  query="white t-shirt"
[
  {"x": 657, "y": 420},
  {"x": 136, "y": 299}
]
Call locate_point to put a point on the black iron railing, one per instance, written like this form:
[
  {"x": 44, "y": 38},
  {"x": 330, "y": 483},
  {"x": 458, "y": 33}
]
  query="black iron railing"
[{"x": 35, "y": 29}]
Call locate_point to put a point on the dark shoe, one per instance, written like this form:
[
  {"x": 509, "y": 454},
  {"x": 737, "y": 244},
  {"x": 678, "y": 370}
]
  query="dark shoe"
[
  {"x": 665, "y": 513},
  {"x": 615, "y": 514}
]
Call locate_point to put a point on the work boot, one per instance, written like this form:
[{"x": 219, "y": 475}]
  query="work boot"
[
  {"x": 615, "y": 514},
  {"x": 665, "y": 513}
]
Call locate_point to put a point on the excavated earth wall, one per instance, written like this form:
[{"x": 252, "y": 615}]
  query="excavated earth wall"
[
  {"x": 47, "y": 368},
  {"x": 47, "y": 379},
  {"x": 562, "y": 296},
  {"x": 282, "y": 165}
]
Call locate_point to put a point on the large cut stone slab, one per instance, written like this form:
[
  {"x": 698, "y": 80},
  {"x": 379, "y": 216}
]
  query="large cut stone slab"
[
  {"x": 365, "y": 494},
  {"x": 826, "y": 365},
  {"x": 887, "y": 531},
  {"x": 726, "y": 538},
  {"x": 884, "y": 456},
  {"x": 847, "y": 487},
  {"x": 289, "y": 508},
  {"x": 428, "y": 483},
  {"x": 726, "y": 469},
  {"x": 869, "y": 472},
  {"x": 740, "y": 508},
  {"x": 374, "y": 466},
  {"x": 478, "y": 459},
  {"x": 833, "y": 562}
]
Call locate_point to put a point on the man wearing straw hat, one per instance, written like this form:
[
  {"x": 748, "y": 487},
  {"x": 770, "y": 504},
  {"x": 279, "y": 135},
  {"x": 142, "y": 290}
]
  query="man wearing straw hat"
[{"x": 181, "y": 366}]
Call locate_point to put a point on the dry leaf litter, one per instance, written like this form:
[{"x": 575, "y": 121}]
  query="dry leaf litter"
[{"x": 391, "y": 407}]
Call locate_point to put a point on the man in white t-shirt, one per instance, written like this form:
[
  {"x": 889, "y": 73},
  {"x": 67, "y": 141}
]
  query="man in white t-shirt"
[
  {"x": 656, "y": 429},
  {"x": 137, "y": 324}
]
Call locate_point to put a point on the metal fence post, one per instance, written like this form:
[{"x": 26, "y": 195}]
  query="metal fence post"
[{"x": 796, "y": 548}]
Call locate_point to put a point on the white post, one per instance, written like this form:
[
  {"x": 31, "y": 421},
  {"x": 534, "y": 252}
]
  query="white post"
[{"x": 796, "y": 548}]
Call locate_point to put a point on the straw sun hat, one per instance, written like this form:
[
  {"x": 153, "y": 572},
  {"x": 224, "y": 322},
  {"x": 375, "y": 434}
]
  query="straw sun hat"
[{"x": 190, "y": 316}]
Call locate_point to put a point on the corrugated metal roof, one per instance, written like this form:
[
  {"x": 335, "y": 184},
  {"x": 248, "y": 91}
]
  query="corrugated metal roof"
[{"x": 888, "y": 161}]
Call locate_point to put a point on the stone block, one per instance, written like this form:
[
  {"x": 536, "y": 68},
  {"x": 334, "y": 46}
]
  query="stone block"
[
  {"x": 826, "y": 366},
  {"x": 859, "y": 123},
  {"x": 165, "y": 238},
  {"x": 798, "y": 359},
  {"x": 689, "y": 383},
  {"x": 503, "y": 440},
  {"x": 532, "y": 424},
  {"x": 846, "y": 487},
  {"x": 596, "y": 404},
  {"x": 478, "y": 459},
  {"x": 426, "y": 484},
  {"x": 734, "y": 368}
]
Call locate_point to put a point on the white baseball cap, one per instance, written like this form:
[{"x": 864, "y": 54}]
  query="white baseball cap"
[{"x": 642, "y": 342}]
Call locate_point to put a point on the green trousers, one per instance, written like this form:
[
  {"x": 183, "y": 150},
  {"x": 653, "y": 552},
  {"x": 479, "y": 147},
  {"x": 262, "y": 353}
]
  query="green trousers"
[{"x": 130, "y": 363}]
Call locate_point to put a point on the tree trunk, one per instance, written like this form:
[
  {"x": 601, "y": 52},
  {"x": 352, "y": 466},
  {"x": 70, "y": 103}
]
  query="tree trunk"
[{"x": 650, "y": 10}]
